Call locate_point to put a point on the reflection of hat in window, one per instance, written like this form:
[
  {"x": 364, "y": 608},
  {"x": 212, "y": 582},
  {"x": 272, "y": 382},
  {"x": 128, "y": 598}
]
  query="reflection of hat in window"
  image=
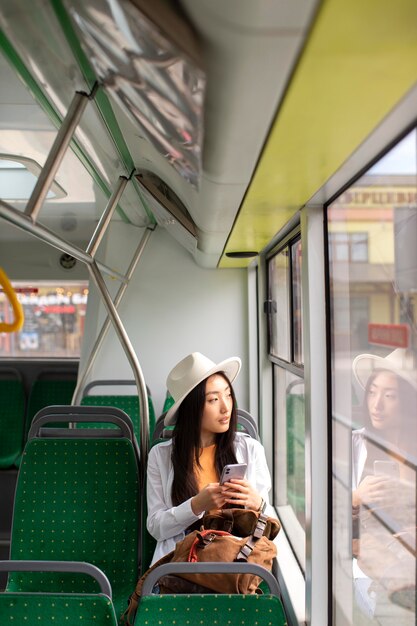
[{"x": 400, "y": 361}]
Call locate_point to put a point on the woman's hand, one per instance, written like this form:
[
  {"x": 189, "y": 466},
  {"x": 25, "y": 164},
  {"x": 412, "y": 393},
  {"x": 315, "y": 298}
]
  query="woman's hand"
[
  {"x": 372, "y": 490},
  {"x": 241, "y": 493},
  {"x": 210, "y": 497}
]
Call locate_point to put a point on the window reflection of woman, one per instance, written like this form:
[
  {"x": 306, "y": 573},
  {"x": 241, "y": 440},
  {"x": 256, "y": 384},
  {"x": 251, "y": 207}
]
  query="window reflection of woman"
[
  {"x": 384, "y": 480},
  {"x": 389, "y": 432}
]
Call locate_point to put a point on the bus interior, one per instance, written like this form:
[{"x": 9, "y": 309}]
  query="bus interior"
[{"x": 234, "y": 178}]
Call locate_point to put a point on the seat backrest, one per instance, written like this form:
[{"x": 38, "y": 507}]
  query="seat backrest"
[
  {"x": 49, "y": 607},
  {"x": 49, "y": 389},
  {"x": 246, "y": 423},
  {"x": 77, "y": 499},
  {"x": 211, "y": 608},
  {"x": 128, "y": 403},
  {"x": 169, "y": 401},
  {"x": 233, "y": 610},
  {"x": 70, "y": 609},
  {"x": 12, "y": 417}
]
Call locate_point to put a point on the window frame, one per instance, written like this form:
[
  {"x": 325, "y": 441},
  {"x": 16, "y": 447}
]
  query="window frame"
[
  {"x": 287, "y": 242},
  {"x": 293, "y": 528}
]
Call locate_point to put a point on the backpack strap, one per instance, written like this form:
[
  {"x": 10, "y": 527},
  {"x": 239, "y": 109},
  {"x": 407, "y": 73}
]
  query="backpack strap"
[{"x": 246, "y": 550}]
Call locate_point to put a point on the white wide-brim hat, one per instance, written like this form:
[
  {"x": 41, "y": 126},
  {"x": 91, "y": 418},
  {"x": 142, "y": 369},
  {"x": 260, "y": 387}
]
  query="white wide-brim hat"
[
  {"x": 400, "y": 362},
  {"x": 191, "y": 371}
]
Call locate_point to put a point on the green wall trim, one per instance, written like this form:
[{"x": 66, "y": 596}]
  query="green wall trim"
[{"x": 101, "y": 99}]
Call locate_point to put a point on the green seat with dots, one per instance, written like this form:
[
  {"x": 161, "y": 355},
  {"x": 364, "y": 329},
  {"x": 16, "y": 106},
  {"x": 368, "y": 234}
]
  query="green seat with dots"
[
  {"x": 210, "y": 610},
  {"x": 46, "y": 391},
  {"x": 128, "y": 404},
  {"x": 168, "y": 403},
  {"x": 52, "y": 608},
  {"x": 57, "y": 608},
  {"x": 77, "y": 499}
]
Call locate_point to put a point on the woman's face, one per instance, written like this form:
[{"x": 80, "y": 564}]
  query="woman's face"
[
  {"x": 383, "y": 401},
  {"x": 217, "y": 408}
]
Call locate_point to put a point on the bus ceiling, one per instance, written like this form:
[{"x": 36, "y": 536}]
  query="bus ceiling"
[{"x": 184, "y": 94}]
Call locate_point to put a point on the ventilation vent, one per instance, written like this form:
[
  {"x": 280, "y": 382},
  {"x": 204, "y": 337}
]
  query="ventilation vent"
[{"x": 168, "y": 209}]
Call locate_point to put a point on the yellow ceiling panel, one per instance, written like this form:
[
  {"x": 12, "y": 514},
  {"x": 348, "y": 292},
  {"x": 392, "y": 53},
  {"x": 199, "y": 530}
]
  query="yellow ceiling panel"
[{"x": 360, "y": 60}]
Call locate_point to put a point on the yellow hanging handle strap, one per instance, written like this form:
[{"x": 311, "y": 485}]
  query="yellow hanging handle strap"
[{"x": 19, "y": 316}]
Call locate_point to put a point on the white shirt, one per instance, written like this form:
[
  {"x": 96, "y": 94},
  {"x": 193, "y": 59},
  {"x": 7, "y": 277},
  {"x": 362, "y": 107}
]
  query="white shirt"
[
  {"x": 359, "y": 455},
  {"x": 166, "y": 522}
]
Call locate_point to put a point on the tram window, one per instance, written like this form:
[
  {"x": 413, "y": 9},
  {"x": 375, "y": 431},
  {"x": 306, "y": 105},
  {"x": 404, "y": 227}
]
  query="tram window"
[
  {"x": 289, "y": 466},
  {"x": 54, "y": 320},
  {"x": 285, "y": 304},
  {"x": 286, "y": 353},
  {"x": 374, "y": 391},
  {"x": 279, "y": 314}
]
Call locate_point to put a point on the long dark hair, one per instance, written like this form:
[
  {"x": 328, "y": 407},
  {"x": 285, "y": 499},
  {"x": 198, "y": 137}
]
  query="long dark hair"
[{"x": 186, "y": 442}]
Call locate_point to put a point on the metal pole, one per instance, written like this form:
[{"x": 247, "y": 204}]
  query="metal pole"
[
  {"x": 56, "y": 154},
  {"x": 133, "y": 360},
  {"x": 76, "y": 398},
  {"x": 106, "y": 217},
  {"x": 111, "y": 272},
  {"x": 24, "y": 222}
]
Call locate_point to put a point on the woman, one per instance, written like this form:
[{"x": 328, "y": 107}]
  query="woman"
[
  {"x": 389, "y": 432},
  {"x": 183, "y": 473},
  {"x": 383, "y": 481}
]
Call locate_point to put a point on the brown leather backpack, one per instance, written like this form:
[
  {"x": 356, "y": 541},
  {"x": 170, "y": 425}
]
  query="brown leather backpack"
[{"x": 214, "y": 545}]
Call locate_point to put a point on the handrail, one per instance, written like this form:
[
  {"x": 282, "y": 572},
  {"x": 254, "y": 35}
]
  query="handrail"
[
  {"x": 57, "y": 152},
  {"x": 122, "y": 422},
  {"x": 76, "y": 398},
  {"x": 133, "y": 360},
  {"x": 19, "y": 316},
  {"x": 209, "y": 568},
  {"x": 406, "y": 458},
  {"x": 114, "y": 382},
  {"x": 106, "y": 216},
  {"x": 27, "y": 221}
]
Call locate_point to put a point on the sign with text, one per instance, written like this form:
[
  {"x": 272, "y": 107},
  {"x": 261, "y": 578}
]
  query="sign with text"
[{"x": 390, "y": 335}]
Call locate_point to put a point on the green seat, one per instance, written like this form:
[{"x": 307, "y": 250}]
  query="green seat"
[
  {"x": 128, "y": 404},
  {"x": 210, "y": 610},
  {"x": 56, "y": 608},
  {"x": 47, "y": 391},
  {"x": 12, "y": 418},
  {"x": 53, "y": 608},
  {"x": 77, "y": 499},
  {"x": 169, "y": 401}
]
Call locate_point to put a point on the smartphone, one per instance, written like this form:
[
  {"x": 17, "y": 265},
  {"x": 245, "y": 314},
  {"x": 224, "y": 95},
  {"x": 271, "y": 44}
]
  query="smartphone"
[
  {"x": 387, "y": 468},
  {"x": 235, "y": 470}
]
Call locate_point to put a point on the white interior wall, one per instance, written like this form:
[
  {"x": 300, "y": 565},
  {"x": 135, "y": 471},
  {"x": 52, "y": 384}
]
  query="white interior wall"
[
  {"x": 172, "y": 307},
  {"x": 31, "y": 259}
]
